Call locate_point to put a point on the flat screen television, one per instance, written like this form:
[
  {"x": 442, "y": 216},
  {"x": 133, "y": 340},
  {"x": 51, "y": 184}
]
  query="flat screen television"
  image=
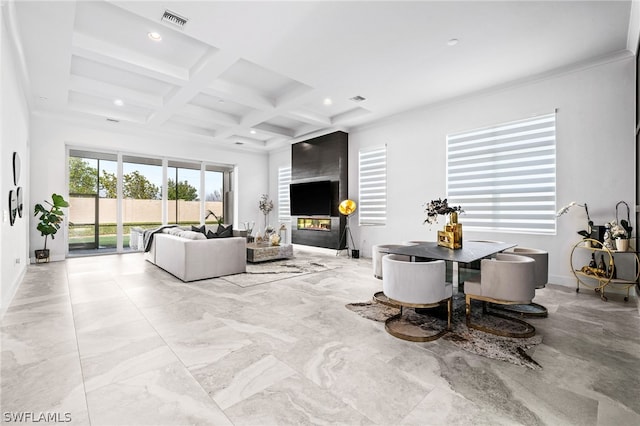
[{"x": 310, "y": 198}]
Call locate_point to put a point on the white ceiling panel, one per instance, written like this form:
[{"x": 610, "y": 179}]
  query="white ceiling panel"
[
  {"x": 219, "y": 104},
  {"x": 263, "y": 81},
  {"x": 104, "y": 21}
]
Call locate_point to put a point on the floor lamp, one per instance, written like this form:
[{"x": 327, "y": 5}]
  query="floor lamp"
[{"x": 347, "y": 208}]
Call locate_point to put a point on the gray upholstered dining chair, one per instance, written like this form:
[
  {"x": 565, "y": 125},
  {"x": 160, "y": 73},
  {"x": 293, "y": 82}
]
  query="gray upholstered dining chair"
[
  {"x": 507, "y": 279},
  {"x": 467, "y": 271},
  {"x": 541, "y": 276},
  {"x": 415, "y": 285},
  {"x": 378, "y": 251}
]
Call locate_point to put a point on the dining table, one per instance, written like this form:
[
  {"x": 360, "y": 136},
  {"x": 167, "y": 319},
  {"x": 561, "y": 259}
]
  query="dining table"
[{"x": 462, "y": 258}]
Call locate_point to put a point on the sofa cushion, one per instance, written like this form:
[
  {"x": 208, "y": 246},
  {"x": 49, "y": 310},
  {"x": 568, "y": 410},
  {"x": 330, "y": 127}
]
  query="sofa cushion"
[
  {"x": 173, "y": 231},
  {"x": 200, "y": 229},
  {"x": 192, "y": 235}
]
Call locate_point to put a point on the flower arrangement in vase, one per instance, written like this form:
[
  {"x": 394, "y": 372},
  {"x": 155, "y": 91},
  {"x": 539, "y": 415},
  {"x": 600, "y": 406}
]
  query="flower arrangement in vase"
[
  {"x": 586, "y": 233},
  {"x": 621, "y": 234},
  {"x": 266, "y": 205},
  {"x": 451, "y": 236}
]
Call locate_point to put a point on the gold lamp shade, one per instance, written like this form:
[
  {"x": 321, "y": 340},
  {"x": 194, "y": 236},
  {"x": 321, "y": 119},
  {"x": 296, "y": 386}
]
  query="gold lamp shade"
[{"x": 347, "y": 207}]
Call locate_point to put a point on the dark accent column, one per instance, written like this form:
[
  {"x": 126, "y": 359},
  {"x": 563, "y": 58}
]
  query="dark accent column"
[{"x": 323, "y": 158}]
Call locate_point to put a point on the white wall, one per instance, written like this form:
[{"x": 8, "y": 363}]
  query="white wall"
[
  {"x": 14, "y": 134},
  {"x": 50, "y": 137},
  {"x": 595, "y": 155}
]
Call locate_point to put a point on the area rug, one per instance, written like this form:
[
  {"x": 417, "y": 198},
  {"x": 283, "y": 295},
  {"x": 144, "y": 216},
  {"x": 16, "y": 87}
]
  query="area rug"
[
  {"x": 515, "y": 351},
  {"x": 265, "y": 272}
]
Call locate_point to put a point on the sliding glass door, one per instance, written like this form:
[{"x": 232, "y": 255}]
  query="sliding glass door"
[
  {"x": 92, "y": 210},
  {"x": 213, "y": 199},
  {"x": 183, "y": 193},
  {"x": 141, "y": 194}
]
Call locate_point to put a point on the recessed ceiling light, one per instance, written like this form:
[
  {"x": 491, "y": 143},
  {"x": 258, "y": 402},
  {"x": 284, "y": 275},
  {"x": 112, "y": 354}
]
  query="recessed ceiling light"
[
  {"x": 118, "y": 102},
  {"x": 453, "y": 42},
  {"x": 154, "y": 36},
  {"x": 253, "y": 132},
  {"x": 327, "y": 101}
]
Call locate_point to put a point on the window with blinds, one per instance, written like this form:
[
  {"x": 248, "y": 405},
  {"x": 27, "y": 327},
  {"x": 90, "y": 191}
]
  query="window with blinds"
[
  {"x": 504, "y": 176},
  {"x": 372, "y": 178},
  {"x": 284, "y": 179}
]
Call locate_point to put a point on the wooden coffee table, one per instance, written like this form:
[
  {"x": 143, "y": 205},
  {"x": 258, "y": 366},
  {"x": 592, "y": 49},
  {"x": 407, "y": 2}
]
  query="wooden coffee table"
[{"x": 262, "y": 252}]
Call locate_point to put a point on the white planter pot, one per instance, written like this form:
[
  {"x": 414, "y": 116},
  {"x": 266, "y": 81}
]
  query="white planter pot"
[{"x": 622, "y": 244}]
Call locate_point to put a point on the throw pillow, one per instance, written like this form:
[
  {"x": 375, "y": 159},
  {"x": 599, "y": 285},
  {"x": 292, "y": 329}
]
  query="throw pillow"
[
  {"x": 199, "y": 229},
  {"x": 225, "y": 231},
  {"x": 211, "y": 234}
]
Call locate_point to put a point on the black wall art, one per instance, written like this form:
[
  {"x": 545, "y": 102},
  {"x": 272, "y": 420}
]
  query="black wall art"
[
  {"x": 16, "y": 168},
  {"x": 19, "y": 197},
  {"x": 13, "y": 206},
  {"x": 15, "y": 196}
]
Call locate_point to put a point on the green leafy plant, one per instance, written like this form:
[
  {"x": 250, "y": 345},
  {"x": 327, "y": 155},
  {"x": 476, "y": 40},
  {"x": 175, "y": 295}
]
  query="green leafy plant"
[{"x": 50, "y": 217}]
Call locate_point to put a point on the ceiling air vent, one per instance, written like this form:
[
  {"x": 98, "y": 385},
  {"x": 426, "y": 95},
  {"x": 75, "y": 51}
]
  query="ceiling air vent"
[
  {"x": 174, "y": 18},
  {"x": 358, "y": 98},
  {"x": 113, "y": 120}
]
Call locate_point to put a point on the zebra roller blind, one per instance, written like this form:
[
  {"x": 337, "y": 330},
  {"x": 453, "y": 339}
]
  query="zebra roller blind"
[
  {"x": 504, "y": 176},
  {"x": 284, "y": 179},
  {"x": 372, "y": 176}
]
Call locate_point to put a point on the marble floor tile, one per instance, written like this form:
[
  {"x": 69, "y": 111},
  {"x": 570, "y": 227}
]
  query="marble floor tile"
[
  {"x": 114, "y": 340},
  {"x": 122, "y": 356},
  {"x": 294, "y": 401},
  {"x": 167, "y": 395},
  {"x": 50, "y": 385},
  {"x": 104, "y": 313}
]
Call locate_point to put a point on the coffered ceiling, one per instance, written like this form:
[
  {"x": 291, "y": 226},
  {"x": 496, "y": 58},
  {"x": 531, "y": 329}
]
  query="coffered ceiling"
[{"x": 260, "y": 75}]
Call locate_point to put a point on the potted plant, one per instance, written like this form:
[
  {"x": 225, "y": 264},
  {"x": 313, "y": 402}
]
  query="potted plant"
[
  {"x": 49, "y": 221},
  {"x": 621, "y": 233}
]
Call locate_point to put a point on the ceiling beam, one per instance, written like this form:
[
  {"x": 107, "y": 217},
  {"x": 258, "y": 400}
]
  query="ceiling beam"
[
  {"x": 213, "y": 63},
  {"x": 110, "y": 91}
]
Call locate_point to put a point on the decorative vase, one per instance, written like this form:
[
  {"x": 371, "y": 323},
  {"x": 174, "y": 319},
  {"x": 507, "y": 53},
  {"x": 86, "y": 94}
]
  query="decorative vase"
[
  {"x": 451, "y": 236},
  {"x": 622, "y": 244}
]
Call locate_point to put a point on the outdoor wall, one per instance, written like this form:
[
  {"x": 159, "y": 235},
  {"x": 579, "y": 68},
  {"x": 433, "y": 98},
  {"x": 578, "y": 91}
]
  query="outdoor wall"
[
  {"x": 14, "y": 137},
  {"x": 51, "y": 136},
  {"x": 595, "y": 155},
  {"x": 82, "y": 210}
]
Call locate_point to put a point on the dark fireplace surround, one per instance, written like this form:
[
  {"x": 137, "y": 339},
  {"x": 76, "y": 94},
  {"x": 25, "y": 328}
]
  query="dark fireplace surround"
[{"x": 321, "y": 159}]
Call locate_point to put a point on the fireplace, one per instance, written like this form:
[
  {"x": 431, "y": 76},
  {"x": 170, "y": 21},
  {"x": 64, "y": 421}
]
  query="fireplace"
[{"x": 314, "y": 224}]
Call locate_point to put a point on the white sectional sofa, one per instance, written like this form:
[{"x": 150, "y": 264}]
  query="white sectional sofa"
[{"x": 197, "y": 259}]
